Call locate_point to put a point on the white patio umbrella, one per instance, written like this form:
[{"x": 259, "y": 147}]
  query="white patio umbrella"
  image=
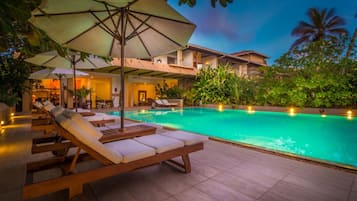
[
  {"x": 71, "y": 61},
  {"x": 116, "y": 28},
  {"x": 55, "y": 73}
]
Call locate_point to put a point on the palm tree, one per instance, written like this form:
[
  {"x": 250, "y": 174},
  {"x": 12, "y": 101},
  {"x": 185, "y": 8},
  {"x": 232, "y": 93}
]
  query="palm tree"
[
  {"x": 352, "y": 43},
  {"x": 192, "y": 3},
  {"x": 323, "y": 25}
]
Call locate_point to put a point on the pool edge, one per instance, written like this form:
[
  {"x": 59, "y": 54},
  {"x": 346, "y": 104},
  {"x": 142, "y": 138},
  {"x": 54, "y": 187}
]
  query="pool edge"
[{"x": 346, "y": 168}]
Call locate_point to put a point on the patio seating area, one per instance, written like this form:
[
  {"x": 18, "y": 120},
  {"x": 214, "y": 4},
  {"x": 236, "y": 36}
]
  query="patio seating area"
[{"x": 219, "y": 172}]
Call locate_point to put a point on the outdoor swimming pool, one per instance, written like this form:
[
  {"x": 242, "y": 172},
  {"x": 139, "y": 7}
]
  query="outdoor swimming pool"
[{"x": 332, "y": 138}]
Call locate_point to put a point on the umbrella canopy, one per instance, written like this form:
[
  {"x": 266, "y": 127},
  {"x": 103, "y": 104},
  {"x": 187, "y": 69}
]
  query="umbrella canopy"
[
  {"x": 73, "y": 60},
  {"x": 53, "y": 59},
  {"x": 116, "y": 28},
  {"x": 55, "y": 73}
]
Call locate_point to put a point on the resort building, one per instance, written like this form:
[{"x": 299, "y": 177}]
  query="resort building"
[{"x": 142, "y": 76}]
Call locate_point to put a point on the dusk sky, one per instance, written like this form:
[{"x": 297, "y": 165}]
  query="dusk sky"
[{"x": 261, "y": 25}]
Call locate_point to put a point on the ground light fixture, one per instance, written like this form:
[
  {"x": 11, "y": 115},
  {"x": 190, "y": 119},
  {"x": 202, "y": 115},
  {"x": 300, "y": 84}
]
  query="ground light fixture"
[
  {"x": 220, "y": 107},
  {"x": 349, "y": 115},
  {"x": 250, "y": 110},
  {"x": 292, "y": 111}
]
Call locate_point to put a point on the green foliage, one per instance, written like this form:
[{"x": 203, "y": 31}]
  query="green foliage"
[
  {"x": 13, "y": 73},
  {"x": 320, "y": 76},
  {"x": 216, "y": 85},
  {"x": 323, "y": 25},
  {"x": 165, "y": 91},
  {"x": 312, "y": 75}
]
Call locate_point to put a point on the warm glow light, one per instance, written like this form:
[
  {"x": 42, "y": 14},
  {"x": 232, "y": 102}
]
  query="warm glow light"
[
  {"x": 349, "y": 115},
  {"x": 220, "y": 107},
  {"x": 250, "y": 110},
  {"x": 292, "y": 111},
  {"x": 323, "y": 115},
  {"x": 142, "y": 111},
  {"x": 2, "y": 123},
  {"x": 12, "y": 114}
]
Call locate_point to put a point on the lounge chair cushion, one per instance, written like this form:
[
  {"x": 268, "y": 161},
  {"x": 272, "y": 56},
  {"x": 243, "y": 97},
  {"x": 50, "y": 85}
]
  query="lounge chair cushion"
[
  {"x": 57, "y": 111},
  {"x": 48, "y": 106},
  {"x": 131, "y": 150},
  {"x": 159, "y": 102},
  {"x": 160, "y": 143},
  {"x": 86, "y": 126},
  {"x": 165, "y": 102},
  {"x": 69, "y": 113},
  {"x": 38, "y": 105},
  {"x": 186, "y": 137},
  {"x": 88, "y": 140}
]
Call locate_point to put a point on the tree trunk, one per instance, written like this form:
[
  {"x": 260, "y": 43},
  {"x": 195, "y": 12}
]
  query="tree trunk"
[{"x": 352, "y": 43}]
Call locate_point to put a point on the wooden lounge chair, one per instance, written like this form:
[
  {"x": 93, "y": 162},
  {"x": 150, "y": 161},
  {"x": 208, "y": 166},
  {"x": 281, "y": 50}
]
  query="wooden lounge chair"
[
  {"x": 164, "y": 103},
  {"x": 111, "y": 133},
  {"x": 116, "y": 157},
  {"x": 45, "y": 124}
]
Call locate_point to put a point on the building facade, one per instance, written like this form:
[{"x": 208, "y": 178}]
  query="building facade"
[{"x": 143, "y": 76}]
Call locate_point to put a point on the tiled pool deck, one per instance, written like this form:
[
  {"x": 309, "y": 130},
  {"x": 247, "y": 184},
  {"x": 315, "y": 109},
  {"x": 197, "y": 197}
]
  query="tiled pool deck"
[{"x": 219, "y": 172}]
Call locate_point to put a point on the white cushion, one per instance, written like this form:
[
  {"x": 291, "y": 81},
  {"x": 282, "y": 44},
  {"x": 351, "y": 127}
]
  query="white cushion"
[
  {"x": 160, "y": 143},
  {"x": 186, "y": 137},
  {"x": 57, "y": 111},
  {"x": 158, "y": 102},
  {"x": 88, "y": 140},
  {"x": 165, "y": 102},
  {"x": 69, "y": 113},
  {"x": 86, "y": 126},
  {"x": 130, "y": 150},
  {"x": 38, "y": 105},
  {"x": 48, "y": 105}
]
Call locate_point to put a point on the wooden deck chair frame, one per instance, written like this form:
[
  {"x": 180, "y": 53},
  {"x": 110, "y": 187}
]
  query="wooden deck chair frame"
[
  {"x": 74, "y": 181},
  {"x": 58, "y": 145}
]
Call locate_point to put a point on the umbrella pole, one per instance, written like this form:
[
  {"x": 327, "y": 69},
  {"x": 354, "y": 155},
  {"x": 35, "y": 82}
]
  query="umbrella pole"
[
  {"x": 74, "y": 80},
  {"x": 61, "y": 90},
  {"x": 122, "y": 45}
]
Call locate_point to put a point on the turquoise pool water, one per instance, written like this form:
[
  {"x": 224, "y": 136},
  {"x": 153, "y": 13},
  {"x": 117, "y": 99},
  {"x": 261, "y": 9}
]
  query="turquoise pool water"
[{"x": 331, "y": 138}]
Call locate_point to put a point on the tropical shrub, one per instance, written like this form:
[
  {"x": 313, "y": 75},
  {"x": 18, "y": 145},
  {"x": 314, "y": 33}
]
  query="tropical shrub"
[
  {"x": 13, "y": 74},
  {"x": 165, "y": 91},
  {"x": 216, "y": 85}
]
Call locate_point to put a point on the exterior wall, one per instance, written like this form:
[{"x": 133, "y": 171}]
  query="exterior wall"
[
  {"x": 210, "y": 61},
  {"x": 27, "y": 99},
  {"x": 149, "y": 88},
  {"x": 254, "y": 58},
  {"x": 187, "y": 58},
  {"x": 135, "y": 84},
  {"x": 161, "y": 59}
]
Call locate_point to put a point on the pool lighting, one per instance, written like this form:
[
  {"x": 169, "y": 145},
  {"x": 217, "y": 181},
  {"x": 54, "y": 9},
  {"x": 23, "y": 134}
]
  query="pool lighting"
[
  {"x": 250, "y": 110},
  {"x": 220, "y": 107},
  {"x": 349, "y": 114},
  {"x": 173, "y": 109},
  {"x": 323, "y": 115},
  {"x": 292, "y": 111},
  {"x": 142, "y": 111}
]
